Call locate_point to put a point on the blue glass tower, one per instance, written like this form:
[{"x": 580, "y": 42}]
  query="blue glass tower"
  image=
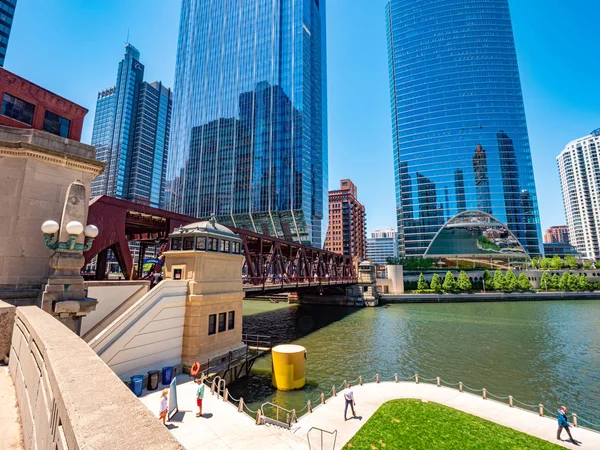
[
  {"x": 459, "y": 129},
  {"x": 131, "y": 134},
  {"x": 7, "y": 13},
  {"x": 248, "y": 138}
]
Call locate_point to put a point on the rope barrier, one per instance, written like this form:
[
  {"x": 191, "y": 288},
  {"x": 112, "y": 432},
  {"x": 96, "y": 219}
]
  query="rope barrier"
[
  {"x": 525, "y": 404},
  {"x": 428, "y": 379},
  {"x": 499, "y": 398},
  {"x": 250, "y": 410},
  {"x": 451, "y": 384}
]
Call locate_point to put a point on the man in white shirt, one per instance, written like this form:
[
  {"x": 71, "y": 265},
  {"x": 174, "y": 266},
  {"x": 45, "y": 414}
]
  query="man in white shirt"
[{"x": 349, "y": 400}]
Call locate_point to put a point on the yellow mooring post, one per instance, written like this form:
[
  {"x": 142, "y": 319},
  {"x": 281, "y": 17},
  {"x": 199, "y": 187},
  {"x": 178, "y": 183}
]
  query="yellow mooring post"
[{"x": 288, "y": 371}]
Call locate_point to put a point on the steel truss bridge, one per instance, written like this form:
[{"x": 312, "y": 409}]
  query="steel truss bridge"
[{"x": 270, "y": 263}]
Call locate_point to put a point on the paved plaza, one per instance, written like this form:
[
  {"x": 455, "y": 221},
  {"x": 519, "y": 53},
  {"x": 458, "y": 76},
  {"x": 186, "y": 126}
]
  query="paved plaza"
[
  {"x": 222, "y": 427},
  {"x": 10, "y": 427}
]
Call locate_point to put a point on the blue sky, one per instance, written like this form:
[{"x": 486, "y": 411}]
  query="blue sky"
[{"x": 72, "y": 47}]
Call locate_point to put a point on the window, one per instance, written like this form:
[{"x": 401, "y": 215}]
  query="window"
[
  {"x": 227, "y": 246},
  {"x": 222, "y": 317},
  {"x": 55, "y": 124},
  {"x": 213, "y": 244},
  {"x": 200, "y": 243},
  {"x": 231, "y": 320},
  {"x": 17, "y": 109},
  {"x": 222, "y": 246},
  {"x": 188, "y": 243},
  {"x": 176, "y": 244},
  {"x": 212, "y": 324}
]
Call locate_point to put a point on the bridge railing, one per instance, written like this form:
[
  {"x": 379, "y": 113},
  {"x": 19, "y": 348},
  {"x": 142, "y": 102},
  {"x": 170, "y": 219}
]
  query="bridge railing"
[{"x": 286, "y": 281}]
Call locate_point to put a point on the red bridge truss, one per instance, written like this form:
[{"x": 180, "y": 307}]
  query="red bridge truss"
[{"x": 269, "y": 262}]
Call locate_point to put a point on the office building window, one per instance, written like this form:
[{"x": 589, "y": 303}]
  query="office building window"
[
  {"x": 55, "y": 124},
  {"x": 17, "y": 109},
  {"x": 231, "y": 320},
  {"x": 222, "y": 317},
  {"x": 212, "y": 324}
]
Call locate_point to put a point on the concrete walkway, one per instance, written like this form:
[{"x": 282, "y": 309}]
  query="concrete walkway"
[
  {"x": 370, "y": 397},
  {"x": 10, "y": 426},
  {"x": 222, "y": 427}
]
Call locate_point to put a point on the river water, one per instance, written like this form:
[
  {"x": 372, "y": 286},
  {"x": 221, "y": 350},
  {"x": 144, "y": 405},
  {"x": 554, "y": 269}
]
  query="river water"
[{"x": 539, "y": 352}]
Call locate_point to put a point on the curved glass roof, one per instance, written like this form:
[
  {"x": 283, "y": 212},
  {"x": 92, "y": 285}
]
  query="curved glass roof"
[{"x": 475, "y": 234}]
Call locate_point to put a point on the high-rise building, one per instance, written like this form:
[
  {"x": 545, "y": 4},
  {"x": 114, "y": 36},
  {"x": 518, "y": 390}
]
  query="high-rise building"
[
  {"x": 459, "y": 128},
  {"x": 249, "y": 134},
  {"x": 347, "y": 222},
  {"x": 557, "y": 235},
  {"x": 580, "y": 183},
  {"x": 131, "y": 135},
  {"x": 7, "y": 14},
  {"x": 382, "y": 244}
]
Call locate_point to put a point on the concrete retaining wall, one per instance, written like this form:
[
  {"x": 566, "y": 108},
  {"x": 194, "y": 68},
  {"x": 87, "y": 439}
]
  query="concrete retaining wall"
[
  {"x": 489, "y": 297},
  {"x": 69, "y": 398},
  {"x": 148, "y": 335},
  {"x": 7, "y": 320}
]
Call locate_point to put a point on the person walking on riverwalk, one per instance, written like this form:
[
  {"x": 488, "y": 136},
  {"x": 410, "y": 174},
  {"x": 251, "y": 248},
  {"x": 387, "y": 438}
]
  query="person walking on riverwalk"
[
  {"x": 349, "y": 400},
  {"x": 563, "y": 423},
  {"x": 163, "y": 407},
  {"x": 199, "y": 395}
]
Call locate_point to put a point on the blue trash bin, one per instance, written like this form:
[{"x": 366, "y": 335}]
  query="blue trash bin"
[
  {"x": 137, "y": 383},
  {"x": 167, "y": 375}
]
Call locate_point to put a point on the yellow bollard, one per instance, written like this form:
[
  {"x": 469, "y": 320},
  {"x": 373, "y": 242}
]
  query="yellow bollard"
[{"x": 288, "y": 367}]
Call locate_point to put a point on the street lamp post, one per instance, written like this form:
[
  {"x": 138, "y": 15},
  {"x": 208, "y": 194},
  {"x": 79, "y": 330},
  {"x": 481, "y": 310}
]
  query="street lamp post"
[{"x": 65, "y": 294}]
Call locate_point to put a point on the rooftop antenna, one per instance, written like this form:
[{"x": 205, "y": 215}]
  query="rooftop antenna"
[{"x": 127, "y": 36}]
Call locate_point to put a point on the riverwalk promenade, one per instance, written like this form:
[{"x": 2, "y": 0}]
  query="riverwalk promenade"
[
  {"x": 10, "y": 426},
  {"x": 223, "y": 427}
]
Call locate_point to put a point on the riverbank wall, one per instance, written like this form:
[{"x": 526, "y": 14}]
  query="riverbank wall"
[{"x": 488, "y": 297}]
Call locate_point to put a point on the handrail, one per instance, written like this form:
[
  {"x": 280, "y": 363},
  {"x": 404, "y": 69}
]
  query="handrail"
[
  {"x": 334, "y": 433},
  {"x": 290, "y": 413}
]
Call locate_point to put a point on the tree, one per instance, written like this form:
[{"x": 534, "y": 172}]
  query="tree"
[
  {"x": 488, "y": 280},
  {"x": 583, "y": 283},
  {"x": 523, "y": 282},
  {"x": 510, "y": 282},
  {"x": 555, "y": 282},
  {"x": 498, "y": 281},
  {"x": 464, "y": 284},
  {"x": 436, "y": 283},
  {"x": 570, "y": 261},
  {"x": 449, "y": 284},
  {"x": 564, "y": 284},
  {"x": 422, "y": 284},
  {"x": 556, "y": 262},
  {"x": 587, "y": 265},
  {"x": 545, "y": 263},
  {"x": 546, "y": 281}
]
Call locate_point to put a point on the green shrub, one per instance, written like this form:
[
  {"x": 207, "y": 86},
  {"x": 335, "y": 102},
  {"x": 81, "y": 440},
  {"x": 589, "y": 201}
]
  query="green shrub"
[
  {"x": 449, "y": 284},
  {"x": 498, "y": 281},
  {"x": 436, "y": 283},
  {"x": 422, "y": 284},
  {"x": 464, "y": 284}
]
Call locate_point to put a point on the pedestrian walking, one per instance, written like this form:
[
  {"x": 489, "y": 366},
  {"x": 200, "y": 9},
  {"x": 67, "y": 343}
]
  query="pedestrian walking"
[
  {"x": 349, "y": 400},
  {"x": 563, "y": 423},
  {"x": 164, "y": 409},
  {"x": 199, "y": 395}
]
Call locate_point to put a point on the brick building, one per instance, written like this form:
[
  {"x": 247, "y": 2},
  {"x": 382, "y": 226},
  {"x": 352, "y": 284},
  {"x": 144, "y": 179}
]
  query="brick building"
[
  {"x": 557, "y": 235},
  {"x": 27, "y": 105},
  {"x": 346, "y": 233}
]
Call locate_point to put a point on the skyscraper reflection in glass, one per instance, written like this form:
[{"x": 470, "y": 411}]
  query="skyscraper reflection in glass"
[
  {"x": 248, "y": 135},
  {"x": 459, "y": 129}
]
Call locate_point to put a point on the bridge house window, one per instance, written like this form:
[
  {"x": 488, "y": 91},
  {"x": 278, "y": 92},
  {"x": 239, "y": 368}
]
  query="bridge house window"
[
  {"x": 213, "y": 244},
  {"x": 222, "y": 317},
  {"x": 231, "y": 320},
  {"x": 17, "y": 109},
  {"x": 212, "y": 324},
  {"x": 200, "y": 243},
  {"x": 176, "y": 244},
  {"x": 188, "y": 243}
]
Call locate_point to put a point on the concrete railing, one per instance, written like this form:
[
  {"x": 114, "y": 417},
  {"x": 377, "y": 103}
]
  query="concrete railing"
[
  {"x": 148, "y": 335},
  {"x": 69, "y": 398}
]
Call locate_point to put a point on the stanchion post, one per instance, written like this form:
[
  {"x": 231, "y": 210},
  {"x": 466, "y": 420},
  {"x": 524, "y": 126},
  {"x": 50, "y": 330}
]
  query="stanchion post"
[
  {"x": 334, "y": 393},
  {"x": 438, "y": 381},
  {"x": 226, "y": 395},
  {"x": 484, "y": 393},
  {"x": 417, "y": 378},
  {"x": 377, "y": 378},
  {"x": 309, "y": 404},
  {"x": 575, "y": 421},
  {"x": 258, "y": 417},
  {"x": 460, "y": 386},
  {"x": 322, "y": 398},
  {"x": 541, "y": 410},
  {"x": 510, "y": 401},
  {"x": 360, "y": 380},
  {"x": 396, "y": 377},
  {"x": 241, "y": 405}
]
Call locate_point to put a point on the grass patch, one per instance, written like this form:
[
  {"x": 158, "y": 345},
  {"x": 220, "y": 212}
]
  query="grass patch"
[{"x": 412, "y": 424}]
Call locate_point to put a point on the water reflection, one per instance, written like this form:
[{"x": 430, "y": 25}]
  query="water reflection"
[{"x": 539, "y": 352}]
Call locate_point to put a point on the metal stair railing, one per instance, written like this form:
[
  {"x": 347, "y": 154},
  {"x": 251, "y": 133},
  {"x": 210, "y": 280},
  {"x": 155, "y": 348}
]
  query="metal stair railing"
[{"x": 333, "y": 433}]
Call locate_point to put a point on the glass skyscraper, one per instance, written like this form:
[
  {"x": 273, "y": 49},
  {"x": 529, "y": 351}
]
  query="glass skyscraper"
[
  {"x": 7, "y": 13},
  {"x": 459, "y": 129},
  {"x": 131, "y": 134},
  {"x": 248, "y": 139}
]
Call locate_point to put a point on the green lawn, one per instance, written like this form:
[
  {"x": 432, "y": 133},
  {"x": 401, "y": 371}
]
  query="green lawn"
[{"x": 412, "y": 424}]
